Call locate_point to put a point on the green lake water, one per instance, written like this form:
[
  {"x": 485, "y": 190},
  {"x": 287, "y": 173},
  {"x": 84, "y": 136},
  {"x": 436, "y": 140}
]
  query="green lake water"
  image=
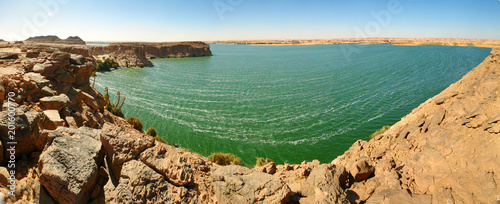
[{"x": 287, "y": 103}]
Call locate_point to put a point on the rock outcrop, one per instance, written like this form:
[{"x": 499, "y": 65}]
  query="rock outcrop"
[
  {"x": 138, "y": 54},
  {"x": 71, "y": 150},
  {"x": 237, "y": 184},
  {"x": 69, "y": 165},
  {"x": 177, "y": 49},
  {"x": 54, "y": 39}
]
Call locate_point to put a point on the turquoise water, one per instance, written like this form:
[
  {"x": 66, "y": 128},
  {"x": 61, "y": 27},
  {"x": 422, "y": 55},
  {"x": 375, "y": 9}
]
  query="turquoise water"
[{"x": 288, "y": 103}]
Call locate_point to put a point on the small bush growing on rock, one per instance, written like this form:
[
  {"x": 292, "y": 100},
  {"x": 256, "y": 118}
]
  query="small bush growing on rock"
[
  {"x": 106, "y": 65},
  {"x": 151, "y": 132},
  {"x": 135, "y": 122},
  {"x": 224, "y": 159},
  {"x": 379, "y": 132},
  {"x": 261, "y": 161},
  {"x": 115, "y": 110},
  {"x": 106, "y": 95},
  {"x": 159, "y": 139}
]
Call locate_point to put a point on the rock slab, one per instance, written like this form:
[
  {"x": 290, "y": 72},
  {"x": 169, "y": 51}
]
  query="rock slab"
[{"x": 69, "y": 166}]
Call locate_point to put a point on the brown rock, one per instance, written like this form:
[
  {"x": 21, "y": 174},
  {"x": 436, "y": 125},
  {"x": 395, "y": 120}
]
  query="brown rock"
[
  {"x": 54, "y": 102},
  {"x": 2, "y": 94},
  {"x": 237, "y": 184},
  {"x": 325, "y": 184},
  {"x": 269, "y": 168},
  {"x": 362, "y": 170},
  {"x": 45, "y": 69},
  {"x": 77, "y": 59},
  {"x": 123, "y": 144},
  {"x": 70, "y": 120},
  {"x": 69, "y": 167},
  {"x": 170, "y": 162},
  {"x": 27, "y": 129},
  {"x": 40, "y": 80},
  {"x": 90, "y": 101},
  {"x": 52, "y": 119},
  {"x": 47, "y": 91},
  {"x": 4, "y": 175},
  {"x": 390, "y": 196},
  {"x": 141, "y": 184}
]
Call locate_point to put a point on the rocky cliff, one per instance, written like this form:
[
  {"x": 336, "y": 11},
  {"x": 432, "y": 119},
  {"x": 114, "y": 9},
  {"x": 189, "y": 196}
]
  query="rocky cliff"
[
  {"x": 127, "y": 55},
  {"x": 138, "y": 54},
  {"x": 54, "y": 39},
  {"x": 177, "y": 49},
  {"x": 70, "y": 150}
]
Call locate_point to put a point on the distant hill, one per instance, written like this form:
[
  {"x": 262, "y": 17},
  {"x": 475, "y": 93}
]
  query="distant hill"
[{"x": 55, "y": 39}]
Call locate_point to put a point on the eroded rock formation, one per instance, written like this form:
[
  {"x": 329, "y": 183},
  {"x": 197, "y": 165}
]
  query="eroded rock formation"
[
  {"x": 71, "y": 150},
  {"x": 138, "y": 54},
  {"x": 54, "y": 39}
]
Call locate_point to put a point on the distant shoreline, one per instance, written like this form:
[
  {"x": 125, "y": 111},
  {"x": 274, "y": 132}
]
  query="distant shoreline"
[{"x": 371, "y": 41}]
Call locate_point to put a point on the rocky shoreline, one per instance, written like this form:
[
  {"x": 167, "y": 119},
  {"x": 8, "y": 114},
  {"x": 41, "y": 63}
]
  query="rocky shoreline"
[
  {"x": 125, "y": 54},
  {"x": 69, "y": 149},
  {"x": 138, "y": 54}
]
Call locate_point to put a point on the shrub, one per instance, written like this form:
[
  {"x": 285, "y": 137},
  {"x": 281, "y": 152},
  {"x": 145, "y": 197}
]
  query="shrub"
[
  {"x": 151, "y": 132},
  {"x": 135, "y": 122},
  {"x": 140, "y": 65},
  {"x": 113, "y": 109},
  {"x": 106, "y": 65},
  {"x": 261, "y": 161},
  {"x": 224, "y": 159},
  {"x": 159, "y": 139},
  {"x": 379, "y": 132}
]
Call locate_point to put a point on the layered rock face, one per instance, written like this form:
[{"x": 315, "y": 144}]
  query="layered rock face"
[
  {"x": 70, "y": 150},
  {"x": 126, "y": 55},
  {"x": 138, "y": 54},
  {"x": 54, "y": 39},
  {"x": 177, "y": 49}
]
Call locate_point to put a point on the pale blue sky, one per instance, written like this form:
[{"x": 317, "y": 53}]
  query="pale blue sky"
[{"x": 178, "y": 20}]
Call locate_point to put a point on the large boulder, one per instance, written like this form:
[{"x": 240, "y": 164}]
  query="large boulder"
[
  {"x": 140, "y": 184},
  {"x": 54, "y": 102},
  {"x": 361, "y": 170},
  {"x": 77, "y": 59},
  {"x": 26, "y": 128},
  {"x": 123, "y": 144},
  {"x": 325, "y": 184},
  {"x": 45, "y": 69},
  {"x": 170, "y": 162},
  {"x": 52, "y": 119},
  {"x": 237, "y": 184},
  {"x": 69, "y": 166}
]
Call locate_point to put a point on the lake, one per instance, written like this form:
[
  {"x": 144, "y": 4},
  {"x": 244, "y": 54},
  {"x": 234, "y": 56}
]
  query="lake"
[{"x": 287, "y": 103}]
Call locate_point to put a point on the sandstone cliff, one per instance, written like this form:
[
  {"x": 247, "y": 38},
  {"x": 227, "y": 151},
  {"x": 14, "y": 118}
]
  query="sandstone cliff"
[
  {"x": 177, "y": 49},
  {"x": 54, "y": 39},
  {"x": 70, "y": 150},
  {"x": 127, "y": 55},
  {"x": 137, "y": 54}
]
